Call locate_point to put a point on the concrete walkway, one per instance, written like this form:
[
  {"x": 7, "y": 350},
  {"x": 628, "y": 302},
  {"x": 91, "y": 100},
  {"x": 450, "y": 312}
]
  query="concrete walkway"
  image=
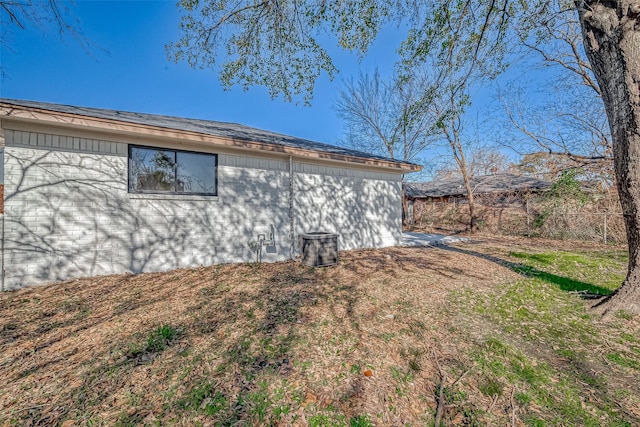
[{"x": 429, "y": 239}]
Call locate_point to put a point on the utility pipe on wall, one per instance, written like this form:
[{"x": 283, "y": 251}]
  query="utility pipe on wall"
[
  {"x": 1, "y": 252},
  {"x": 2, "y": 147},
  {"x": 292, "y": 240}
]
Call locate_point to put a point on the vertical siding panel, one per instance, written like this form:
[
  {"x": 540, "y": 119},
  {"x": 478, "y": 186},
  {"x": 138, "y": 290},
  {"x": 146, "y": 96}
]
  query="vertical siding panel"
[{"x": 66, "y": 142}]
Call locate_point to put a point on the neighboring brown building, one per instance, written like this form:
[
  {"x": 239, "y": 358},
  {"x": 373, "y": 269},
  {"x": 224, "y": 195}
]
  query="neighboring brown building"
[
  {"x": 443, "y": 190},
  {"x": 491, "y": 191}
]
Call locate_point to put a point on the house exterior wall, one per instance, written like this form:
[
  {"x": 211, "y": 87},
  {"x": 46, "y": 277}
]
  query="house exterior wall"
[
  {"x": 363, "y": 207},
  {"x": 68, "y": 212}
]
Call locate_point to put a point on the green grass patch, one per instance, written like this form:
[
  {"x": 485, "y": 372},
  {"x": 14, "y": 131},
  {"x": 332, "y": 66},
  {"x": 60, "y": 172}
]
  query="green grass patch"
[
  {"x": 157, "y": 341},
  {"x": 621, "y": 360},
  {"x": 541, "y": 348},
  {"x": 536, "y": 310},
  {"x": 491, "y": 387},
  {"x": 327, "y": 420},
  {"x": 625, "y": 315},
  {"x": 360, "y": 421},
  {"x": 334, "y": 419},
  {"x": 592, "y": 272},
  {"x": 160, "y": 338},
  {"x": 564, "y": 283},
  {"x": 204, "y": 397},
  {"x": 536, "y": 383}
]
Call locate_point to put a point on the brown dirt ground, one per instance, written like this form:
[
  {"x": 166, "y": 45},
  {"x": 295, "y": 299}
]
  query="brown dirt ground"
[{"x": 301, "y": 334}]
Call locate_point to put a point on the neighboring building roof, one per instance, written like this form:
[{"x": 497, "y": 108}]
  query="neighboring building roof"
[
  {"x": 231, "y": 132},
  {"x": 489, "y": 184}
]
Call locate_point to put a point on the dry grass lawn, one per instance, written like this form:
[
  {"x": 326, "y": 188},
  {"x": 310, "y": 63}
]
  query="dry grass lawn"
[{"x": 385, "y": 338}]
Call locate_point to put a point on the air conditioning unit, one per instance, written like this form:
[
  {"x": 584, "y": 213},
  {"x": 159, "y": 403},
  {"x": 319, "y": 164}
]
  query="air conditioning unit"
[{"x": 319, "y": 248}]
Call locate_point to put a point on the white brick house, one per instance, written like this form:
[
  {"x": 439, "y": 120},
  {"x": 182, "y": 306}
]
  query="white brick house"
[{"x": 90, "y": 192}]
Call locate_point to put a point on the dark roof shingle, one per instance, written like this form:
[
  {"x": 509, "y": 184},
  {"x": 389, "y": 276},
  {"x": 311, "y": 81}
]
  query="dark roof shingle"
[
  {"x": 489, "y": 184},
  {"x": 207, "y": 127}
]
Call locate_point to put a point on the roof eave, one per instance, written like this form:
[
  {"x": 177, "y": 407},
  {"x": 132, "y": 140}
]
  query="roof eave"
[{"x": 77, "y": 121}]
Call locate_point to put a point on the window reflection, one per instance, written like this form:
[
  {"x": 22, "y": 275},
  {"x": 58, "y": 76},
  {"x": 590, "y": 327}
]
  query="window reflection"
[
  {"x": 196, "y": 173},
  {"x": 156, "y": 170}
]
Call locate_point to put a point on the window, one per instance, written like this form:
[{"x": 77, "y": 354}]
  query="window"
[{"x": 165, "y": 171}]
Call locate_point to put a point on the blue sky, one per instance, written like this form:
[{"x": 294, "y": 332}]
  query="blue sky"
[{"x": 126, "y": 68}]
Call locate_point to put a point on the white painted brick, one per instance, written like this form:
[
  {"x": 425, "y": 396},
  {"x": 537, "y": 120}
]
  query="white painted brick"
[{"x": 80, "y": 219}]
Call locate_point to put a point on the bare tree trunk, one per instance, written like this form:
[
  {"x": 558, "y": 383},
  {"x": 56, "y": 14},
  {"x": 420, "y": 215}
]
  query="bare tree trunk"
[
  {"x": 611, "y": 32},
  {"x": 473, "y": 222},
  {"x": 453, "y": 137},
  {"x": 458, "y": 154}
]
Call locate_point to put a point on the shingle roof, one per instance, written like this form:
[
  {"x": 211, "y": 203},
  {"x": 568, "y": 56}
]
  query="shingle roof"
[
  {"x": 489, "y": 184},
  {"x": 207, "y": 127}
]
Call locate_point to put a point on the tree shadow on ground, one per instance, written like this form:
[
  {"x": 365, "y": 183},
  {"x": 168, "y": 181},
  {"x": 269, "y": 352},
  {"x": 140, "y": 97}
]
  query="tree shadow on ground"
[{"x": 585, "y": 290}]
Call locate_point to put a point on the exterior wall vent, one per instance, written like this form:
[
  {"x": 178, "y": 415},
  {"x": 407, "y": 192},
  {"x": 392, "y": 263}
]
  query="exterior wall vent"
[{"x": 319, "y": 248}]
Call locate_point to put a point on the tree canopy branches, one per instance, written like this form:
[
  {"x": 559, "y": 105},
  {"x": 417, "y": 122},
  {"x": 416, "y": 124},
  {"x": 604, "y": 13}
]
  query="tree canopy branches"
[
  {"x": 45, "y": 15},
  {"x": 279, "y": 44},
  {"x": 285, "y": 45}
]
